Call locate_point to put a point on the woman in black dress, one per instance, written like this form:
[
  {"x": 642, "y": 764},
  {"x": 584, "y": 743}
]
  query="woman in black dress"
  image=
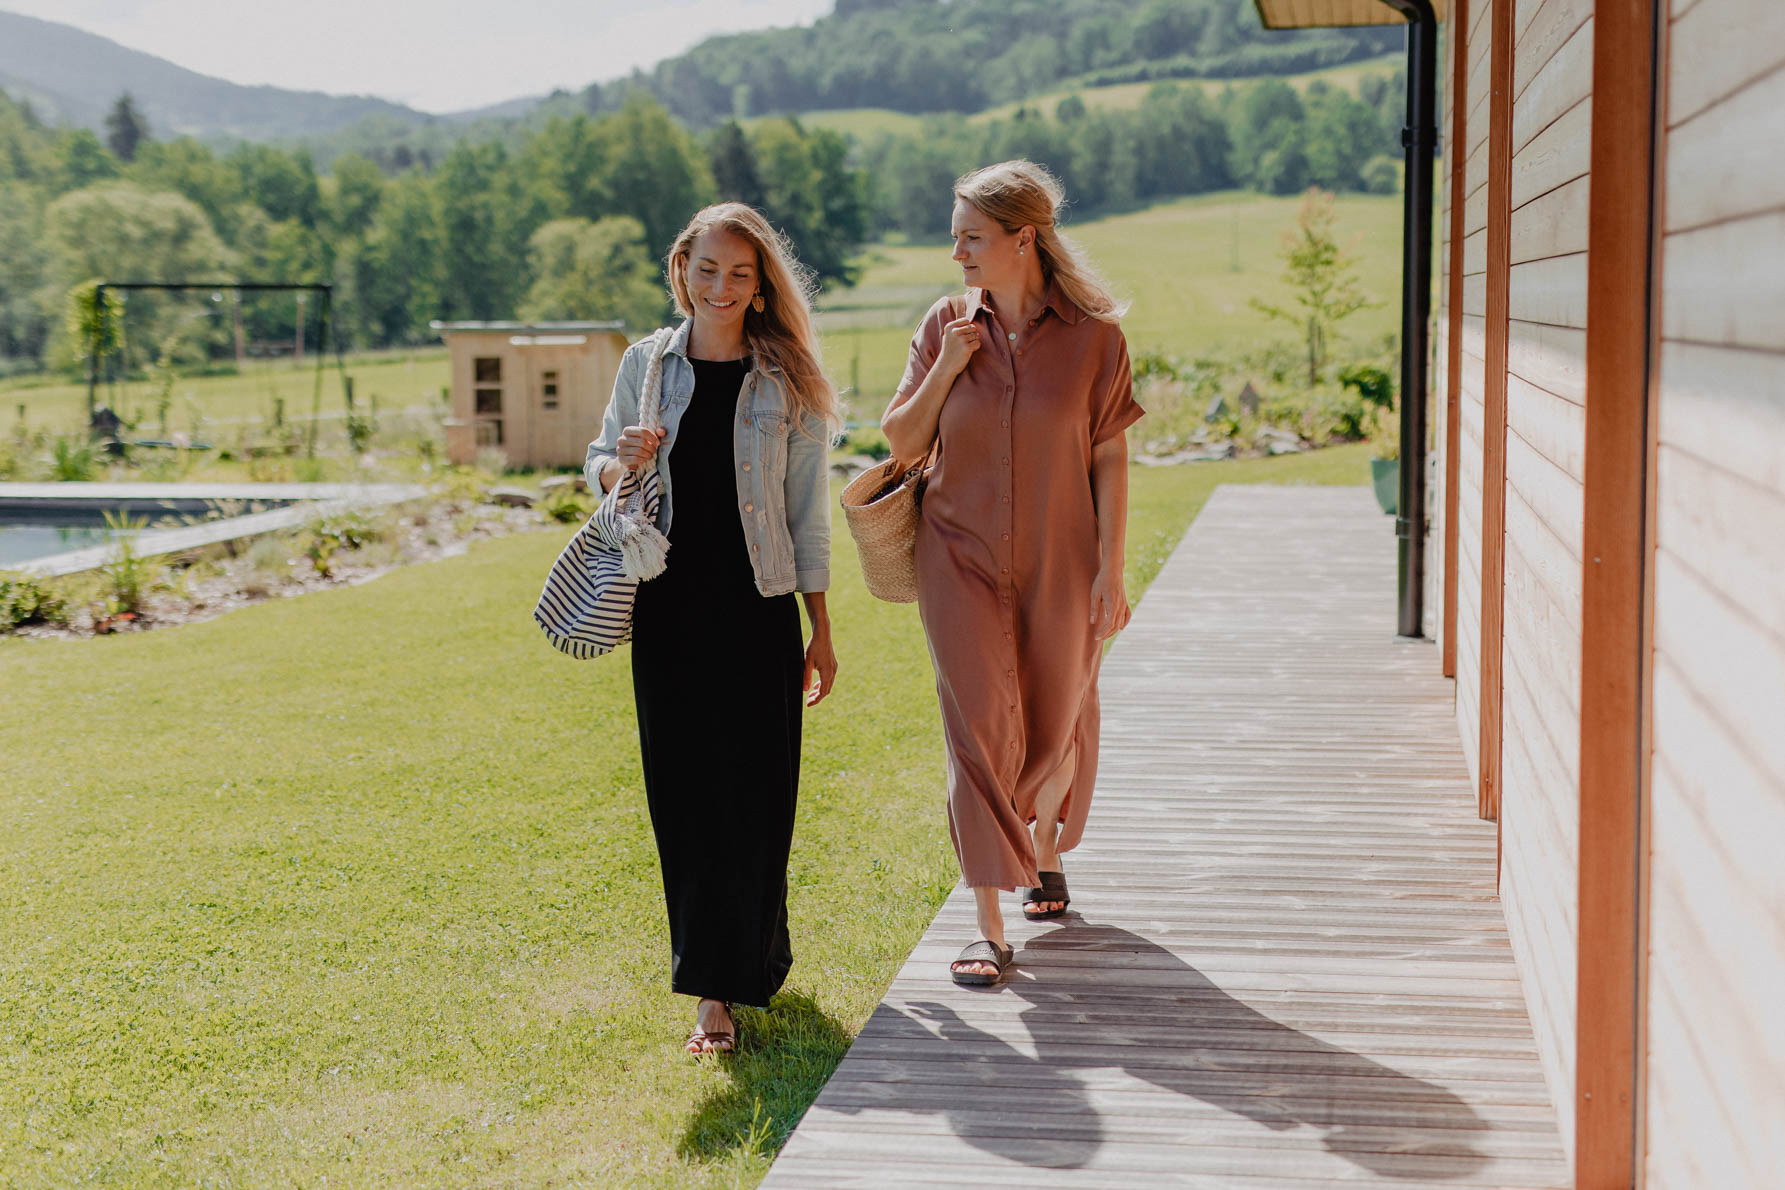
[{"x": 719, "y": 672}]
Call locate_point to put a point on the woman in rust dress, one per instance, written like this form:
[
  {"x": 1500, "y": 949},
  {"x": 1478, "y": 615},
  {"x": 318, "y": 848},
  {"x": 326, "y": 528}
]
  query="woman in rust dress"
[{"x": 1024, "y": 386}]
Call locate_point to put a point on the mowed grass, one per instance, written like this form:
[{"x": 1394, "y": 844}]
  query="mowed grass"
[
  {"x": 398, "y": 379},
  {"x": 1128, "y": 96},
  {"x": 1190, "y": 267},
  {"x": 358, "y": 889}
]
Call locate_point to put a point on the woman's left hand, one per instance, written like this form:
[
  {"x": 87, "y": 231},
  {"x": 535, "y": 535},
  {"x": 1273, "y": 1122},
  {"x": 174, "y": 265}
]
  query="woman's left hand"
[
  {"x": 821, "y": 660},
  {"x": 1109, "y": 604}
]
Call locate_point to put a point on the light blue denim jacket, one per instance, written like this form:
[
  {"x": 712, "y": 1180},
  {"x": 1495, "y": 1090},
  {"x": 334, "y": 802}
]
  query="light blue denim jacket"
[{"x": 782, "y": 475}]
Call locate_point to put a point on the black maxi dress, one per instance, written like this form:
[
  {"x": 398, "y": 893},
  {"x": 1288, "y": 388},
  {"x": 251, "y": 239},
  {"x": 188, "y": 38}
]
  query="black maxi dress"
[{"x": 716, "y": 672}]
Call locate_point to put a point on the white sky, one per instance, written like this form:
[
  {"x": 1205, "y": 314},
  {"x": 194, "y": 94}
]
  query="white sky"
[{"x": 438, "y": 56}]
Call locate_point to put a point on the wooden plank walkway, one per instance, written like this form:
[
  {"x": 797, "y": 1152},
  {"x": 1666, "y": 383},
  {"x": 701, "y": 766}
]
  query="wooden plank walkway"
[{"x": 1284, "y": 965}]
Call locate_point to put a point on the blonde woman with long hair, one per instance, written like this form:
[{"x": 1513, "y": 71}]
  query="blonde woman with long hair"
[
  {"x": 719, "y": 673},
  {"x": 1022, "y": 386}
]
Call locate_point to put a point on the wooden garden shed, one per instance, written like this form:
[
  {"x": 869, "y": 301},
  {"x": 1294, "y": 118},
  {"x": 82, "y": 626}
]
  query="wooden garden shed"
[
  {"x": 534, "y": 390},
  {"x": 1607, "y": 547}
]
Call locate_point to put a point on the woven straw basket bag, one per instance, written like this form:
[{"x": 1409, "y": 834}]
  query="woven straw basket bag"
[{"x": 883, "y": 506}]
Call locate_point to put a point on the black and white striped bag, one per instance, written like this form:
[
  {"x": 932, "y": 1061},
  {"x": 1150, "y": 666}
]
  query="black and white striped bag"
[{"x": 585, "y": 608}]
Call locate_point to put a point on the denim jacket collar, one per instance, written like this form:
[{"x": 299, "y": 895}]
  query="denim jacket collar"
[{"x": 678, "y": 345}]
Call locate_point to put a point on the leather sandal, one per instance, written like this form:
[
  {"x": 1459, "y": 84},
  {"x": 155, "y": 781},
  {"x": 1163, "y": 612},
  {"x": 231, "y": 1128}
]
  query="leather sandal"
[
  {"x": 719, "y": 1041},
  {"x": 1053, "y": 888},
  {"x": 980, "y": 952}
]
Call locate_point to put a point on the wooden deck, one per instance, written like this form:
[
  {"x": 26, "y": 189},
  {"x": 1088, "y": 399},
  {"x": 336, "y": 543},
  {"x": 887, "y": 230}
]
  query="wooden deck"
[{"x": 1284, "y": 965}]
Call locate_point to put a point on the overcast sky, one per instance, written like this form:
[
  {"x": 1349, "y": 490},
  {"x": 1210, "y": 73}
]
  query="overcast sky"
[{"x": 438, "y": 56}]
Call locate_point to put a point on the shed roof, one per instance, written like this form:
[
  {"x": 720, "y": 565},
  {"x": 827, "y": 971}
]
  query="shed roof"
[
  {"x": 523, "y": 328},
  {"x": 1327, "y": 14}
]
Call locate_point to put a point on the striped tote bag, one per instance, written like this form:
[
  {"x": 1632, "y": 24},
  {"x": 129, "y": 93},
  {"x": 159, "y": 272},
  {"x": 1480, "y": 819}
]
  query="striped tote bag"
[{"x": 585, "y": 608}]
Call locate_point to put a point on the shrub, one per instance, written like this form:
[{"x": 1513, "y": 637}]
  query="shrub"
[
  {"x": 867, "y": 441},
  {"x": 27, "y": 600},
  {"x": 1380, "y": 176},
  {"x": 127, "y": 576},
  {"x": 72, "y": 461},
  {"x": 1373, "y": 382},
  {"x": 566, "y": 505}
]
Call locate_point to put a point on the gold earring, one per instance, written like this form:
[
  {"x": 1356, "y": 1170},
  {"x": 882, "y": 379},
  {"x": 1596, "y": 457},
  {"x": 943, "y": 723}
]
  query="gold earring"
[{"x": 756, "y": 303}]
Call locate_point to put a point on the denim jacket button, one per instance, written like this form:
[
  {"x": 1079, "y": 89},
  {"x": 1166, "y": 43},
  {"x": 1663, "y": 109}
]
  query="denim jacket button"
[
  {"x": 749, "y": 508},
  {"x": 746, "y": 466}
]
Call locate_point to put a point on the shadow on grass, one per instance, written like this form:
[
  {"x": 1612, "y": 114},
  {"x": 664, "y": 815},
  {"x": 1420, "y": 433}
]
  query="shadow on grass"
[{"x": 784, "y": 1057}]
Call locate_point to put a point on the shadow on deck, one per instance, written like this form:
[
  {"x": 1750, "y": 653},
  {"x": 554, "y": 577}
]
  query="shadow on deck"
[{"x": 1285, "y": 964}]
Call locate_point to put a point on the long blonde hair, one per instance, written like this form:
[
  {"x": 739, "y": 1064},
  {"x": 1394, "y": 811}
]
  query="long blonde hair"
[
  {"x": 781, "y": 335},
  {"x": 1018, "y": 193}
]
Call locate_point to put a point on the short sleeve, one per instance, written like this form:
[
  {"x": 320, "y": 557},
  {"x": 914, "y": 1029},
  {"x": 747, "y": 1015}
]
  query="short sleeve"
[
  {"x": 926, "y": 345},
  {"x": 1117, "y": 409}
]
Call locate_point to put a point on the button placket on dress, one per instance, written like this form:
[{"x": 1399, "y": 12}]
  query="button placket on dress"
[{"x": 1004, "y": 550}]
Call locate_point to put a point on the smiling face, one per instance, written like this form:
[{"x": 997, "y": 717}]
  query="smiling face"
[
  {"x": 721, "y": 275},
  {"x": 989, "y": 255}
]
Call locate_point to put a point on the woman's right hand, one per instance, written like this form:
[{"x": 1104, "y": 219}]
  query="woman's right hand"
[
  {"x": 638, "y": 446},
  {"x": 960, "y": 339}
]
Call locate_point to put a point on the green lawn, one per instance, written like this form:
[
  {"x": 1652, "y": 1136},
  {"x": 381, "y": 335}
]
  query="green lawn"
[
  {"x": 396, "y": 378},
  {"x": 357, "y": 888},
  {"x": 1190, "y": 268}
]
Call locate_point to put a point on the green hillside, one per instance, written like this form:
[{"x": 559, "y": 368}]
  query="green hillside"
[{"x": 1190, "y": 267}]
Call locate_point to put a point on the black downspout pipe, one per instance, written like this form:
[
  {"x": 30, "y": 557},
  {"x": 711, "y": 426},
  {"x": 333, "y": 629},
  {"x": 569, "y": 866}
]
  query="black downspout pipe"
[{"x": 1420, "y": 138}]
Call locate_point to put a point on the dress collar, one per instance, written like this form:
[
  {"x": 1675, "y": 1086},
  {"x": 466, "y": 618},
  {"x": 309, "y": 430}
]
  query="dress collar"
[{"x": 1056, "y": 300}]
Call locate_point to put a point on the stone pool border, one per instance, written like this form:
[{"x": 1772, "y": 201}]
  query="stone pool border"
[{"x": 302, "y": 502}]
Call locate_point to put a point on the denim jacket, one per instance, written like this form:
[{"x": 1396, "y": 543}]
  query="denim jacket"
[{"x": 783, "y": 485}]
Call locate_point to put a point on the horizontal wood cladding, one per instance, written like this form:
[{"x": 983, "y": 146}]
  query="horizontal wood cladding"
[
  {"x": 1555, "y": 156},
  {"x": 1552, "y": 291},
  {"x": 1728, "y": 405},
  {"x": 1551, "y": 357},
  {"x": 1718, "y": 168},
  {"x": 1715, "y": 1058},
  {"x": 1552, "y": 224},
  {"x": 1551, "y": 25},
  {"x": 1560, "y": 83},
  {"x": 1725, "y": 285},
  {"x": 1718, "y": 47}
]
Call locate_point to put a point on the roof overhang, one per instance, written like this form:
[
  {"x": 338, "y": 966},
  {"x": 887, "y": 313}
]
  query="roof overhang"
[{"x": 1330, "y": 14}]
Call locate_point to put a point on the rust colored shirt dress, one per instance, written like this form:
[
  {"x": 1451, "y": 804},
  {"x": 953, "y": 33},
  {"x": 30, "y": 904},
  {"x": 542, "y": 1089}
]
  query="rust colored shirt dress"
[{"x": 1006, "y": 555}]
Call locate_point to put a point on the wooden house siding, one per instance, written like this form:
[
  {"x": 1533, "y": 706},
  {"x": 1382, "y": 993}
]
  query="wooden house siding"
[
  {"x": 1545, "y": 441},
  {"x": 1470, "y": 388},
  {"x": 1714, "y": 1087}
]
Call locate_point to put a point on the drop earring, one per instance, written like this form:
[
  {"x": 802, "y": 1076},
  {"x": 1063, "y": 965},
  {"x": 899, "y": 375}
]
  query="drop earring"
[{"x": 756, "y": 303}]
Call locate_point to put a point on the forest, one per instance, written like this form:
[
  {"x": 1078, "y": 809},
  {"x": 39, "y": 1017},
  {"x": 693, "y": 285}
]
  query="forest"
[{"x": 569, "y": 217}]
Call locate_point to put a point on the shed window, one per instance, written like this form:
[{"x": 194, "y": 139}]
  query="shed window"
[
  {"x": 487, "y": 369},
  {"x": 489, "y": 400},
  {"x": 489, "y": 433},
  {"x": 548, "y": 390}
]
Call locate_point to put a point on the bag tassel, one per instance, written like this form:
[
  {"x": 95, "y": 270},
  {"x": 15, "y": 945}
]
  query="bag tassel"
[{"x": 644, "y": 550}]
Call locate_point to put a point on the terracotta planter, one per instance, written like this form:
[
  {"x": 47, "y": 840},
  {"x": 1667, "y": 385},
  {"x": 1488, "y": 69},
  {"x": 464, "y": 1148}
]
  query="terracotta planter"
[{"x": 1385, "y": 476}]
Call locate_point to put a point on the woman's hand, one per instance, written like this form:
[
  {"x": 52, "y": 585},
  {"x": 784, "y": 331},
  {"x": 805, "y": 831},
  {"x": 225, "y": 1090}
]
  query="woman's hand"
[
  {"x": 821, "y": 660},
  {"x": 638, "y": 446},
  {"x": 960, "y": 339},
  {"x": 1109, "y": 603}
]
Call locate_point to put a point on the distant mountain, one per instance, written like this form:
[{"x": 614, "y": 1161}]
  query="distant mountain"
[{"x": 75, "y": 76}]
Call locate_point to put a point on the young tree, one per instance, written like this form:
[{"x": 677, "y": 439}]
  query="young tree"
[
  {"x": 125, "y": 128},
  {"x": 1320, "y": 273},
  {"x": 600, "y": 269}
]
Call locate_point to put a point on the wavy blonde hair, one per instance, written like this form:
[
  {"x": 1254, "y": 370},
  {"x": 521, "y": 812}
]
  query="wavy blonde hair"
[
  {"x": 781, "y": 335},
  {"x": 1020, "y": 193}
]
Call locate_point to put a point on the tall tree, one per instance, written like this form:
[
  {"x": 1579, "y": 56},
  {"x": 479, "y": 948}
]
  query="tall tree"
[
  {"x": 125, "y": 128},
  {"x": 733, "y": 161}
]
